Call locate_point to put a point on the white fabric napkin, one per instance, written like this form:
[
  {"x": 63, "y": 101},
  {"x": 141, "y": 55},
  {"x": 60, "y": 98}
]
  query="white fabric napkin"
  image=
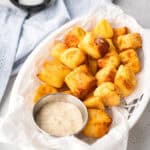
[
  {"x": 21, "y": 132},
  {"x": 17, "y": 127}
]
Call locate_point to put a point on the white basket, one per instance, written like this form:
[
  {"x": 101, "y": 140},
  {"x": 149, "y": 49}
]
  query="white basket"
[{"x": 134, "y": 105}]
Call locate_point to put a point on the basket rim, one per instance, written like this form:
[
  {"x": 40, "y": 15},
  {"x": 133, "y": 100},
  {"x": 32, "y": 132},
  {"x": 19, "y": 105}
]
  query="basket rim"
[{"x": 132, "y": 120}]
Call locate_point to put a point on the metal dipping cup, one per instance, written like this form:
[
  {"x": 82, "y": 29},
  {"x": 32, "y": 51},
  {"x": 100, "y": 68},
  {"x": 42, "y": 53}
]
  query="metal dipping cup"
[{"x": 60, "y": 97}]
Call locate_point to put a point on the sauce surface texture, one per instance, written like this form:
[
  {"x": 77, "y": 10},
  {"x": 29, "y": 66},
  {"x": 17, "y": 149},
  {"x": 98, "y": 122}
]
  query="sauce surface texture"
[{"x": 59, "y": 118}]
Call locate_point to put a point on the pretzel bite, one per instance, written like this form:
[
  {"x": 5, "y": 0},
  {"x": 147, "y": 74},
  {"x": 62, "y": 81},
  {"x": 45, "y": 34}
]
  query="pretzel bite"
[
  {"x": 130, "y": 59},
  {"x": 110, "y": 59},
  {"x": 68, "y": 92},
  {"x": 73, "y": 37},
  {"x": 58, "y": 49},
  {"x": 53, "y": 73},
  {"x": 102, "y": 45},
  {"x": 98, "y": 123},
  {"x": 114, "y": 39},
  {"x": 112, "y": 48},
  {"x": 129, "y": 41},
  {"x": 104, "y": 29},
  {"x": 120, "y": 31},
  {"x": 43, "y": 90},
  {"x": 125, "y": 80},
  {"x": 90, "y": 94},
  {"x": 108, "y": 94},
  {"x": 80, "y": 81},
  {"x": 94, "y": 102},
  {"x": 73, "y": 57},
  {"x": 94, "y": 46},
  {"x": 105, "y": 74},
  {"x": 93, "y": 65}
]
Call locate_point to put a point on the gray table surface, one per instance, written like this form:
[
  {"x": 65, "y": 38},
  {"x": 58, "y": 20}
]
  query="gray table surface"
[{"x": 139, "y": 137}]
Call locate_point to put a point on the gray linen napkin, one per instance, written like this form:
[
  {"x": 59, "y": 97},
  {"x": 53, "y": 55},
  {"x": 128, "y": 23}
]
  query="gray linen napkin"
[
  {"x": 9, "y": 38},
  {"x": 19, "y": 35}
]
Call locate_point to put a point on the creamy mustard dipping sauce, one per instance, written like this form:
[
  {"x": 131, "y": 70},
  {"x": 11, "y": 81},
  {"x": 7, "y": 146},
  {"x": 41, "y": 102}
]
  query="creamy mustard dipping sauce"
[{"x": 59, "y": 118}]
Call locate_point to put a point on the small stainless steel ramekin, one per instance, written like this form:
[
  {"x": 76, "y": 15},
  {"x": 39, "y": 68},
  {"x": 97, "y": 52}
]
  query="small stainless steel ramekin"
[{"x": 61, "y": 97}]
